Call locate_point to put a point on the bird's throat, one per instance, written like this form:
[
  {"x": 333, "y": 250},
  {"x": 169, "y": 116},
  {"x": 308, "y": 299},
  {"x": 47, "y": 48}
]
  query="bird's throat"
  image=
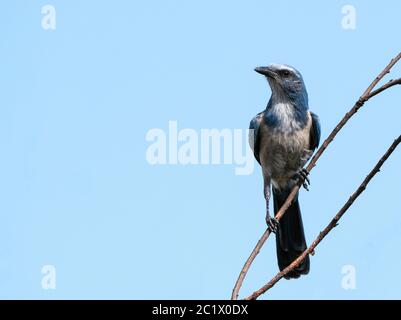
[{"x": 285, "y": 116}]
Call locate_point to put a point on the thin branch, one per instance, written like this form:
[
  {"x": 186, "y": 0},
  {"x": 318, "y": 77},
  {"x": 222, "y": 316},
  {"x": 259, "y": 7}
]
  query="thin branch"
[
  {"x": 333, "y": 223},
  {"x": 365, "y": 97},
  {"x": 382, "y": 74},
  {"x": 384, "y": 87}
]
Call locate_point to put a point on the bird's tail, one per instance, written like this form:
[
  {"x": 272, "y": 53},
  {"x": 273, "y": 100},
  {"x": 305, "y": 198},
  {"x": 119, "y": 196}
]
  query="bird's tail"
[{"x": 290, "y": 237}]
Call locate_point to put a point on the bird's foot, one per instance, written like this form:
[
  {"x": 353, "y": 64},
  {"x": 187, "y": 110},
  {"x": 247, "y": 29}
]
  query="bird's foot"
[
  {"x": 272, "y": 223},
  {"x": 302, "y": 177}
]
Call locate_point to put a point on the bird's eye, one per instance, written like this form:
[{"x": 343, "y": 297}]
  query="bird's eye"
[{"x": 286, "y": 73}]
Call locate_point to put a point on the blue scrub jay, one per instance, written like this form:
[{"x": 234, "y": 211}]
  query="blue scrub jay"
[{"x": 283, "y": 138}]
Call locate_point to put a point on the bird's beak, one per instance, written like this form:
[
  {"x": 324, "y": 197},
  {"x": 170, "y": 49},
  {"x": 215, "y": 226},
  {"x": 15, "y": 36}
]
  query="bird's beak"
[{"x": 266, "y": 71}]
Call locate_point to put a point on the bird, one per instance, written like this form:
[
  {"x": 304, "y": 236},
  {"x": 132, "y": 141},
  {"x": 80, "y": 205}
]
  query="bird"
[{"x": 283, "y": 138}]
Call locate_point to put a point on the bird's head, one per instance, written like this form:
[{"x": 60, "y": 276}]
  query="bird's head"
[{"x": 285, "y": 82}]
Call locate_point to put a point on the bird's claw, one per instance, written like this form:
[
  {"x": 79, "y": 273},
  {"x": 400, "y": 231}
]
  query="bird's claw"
[
  {"x": 272, "y": 223},
  {"x": 302, "y": 177}
]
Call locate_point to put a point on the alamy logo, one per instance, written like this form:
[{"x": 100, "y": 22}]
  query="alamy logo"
[
  {"x": 348, "y": 281},
  {"x": 348, "y": 21},
  {"x": 49, "y": 17},
  {"x": 49, "y": 277},
  {"x": 208, "y": 146}
]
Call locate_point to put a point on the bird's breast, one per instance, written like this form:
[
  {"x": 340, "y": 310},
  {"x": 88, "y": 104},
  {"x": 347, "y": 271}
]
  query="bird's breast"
[{"x": 284, "y": 152}]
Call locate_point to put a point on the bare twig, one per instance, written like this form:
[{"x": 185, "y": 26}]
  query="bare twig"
[
  {"x": 365, "y": 97},
  {"x": 330, "y": 226},
  {"x": 384, "y": 87}
]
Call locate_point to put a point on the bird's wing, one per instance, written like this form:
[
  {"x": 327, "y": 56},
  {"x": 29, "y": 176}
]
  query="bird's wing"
[
  {"x": 314, "y": 132},
  {"x": 254, "y": 137}
]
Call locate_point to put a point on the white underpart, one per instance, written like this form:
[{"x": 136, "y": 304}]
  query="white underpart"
[
  {"x": 283, "y": 153},
  {"x": 285, "y": 114}
]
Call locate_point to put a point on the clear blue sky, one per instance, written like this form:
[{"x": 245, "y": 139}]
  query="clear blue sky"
[{"x": 77, "y": 102}]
